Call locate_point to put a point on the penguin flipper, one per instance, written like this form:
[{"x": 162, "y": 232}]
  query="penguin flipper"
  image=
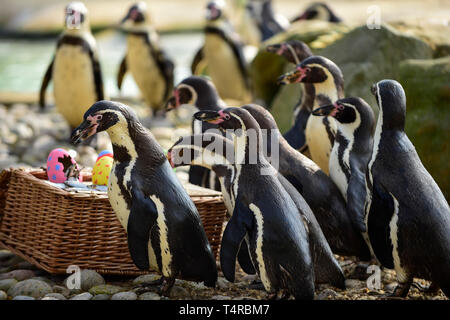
[
  {"x": 356, "y": 198},
  {"x": 143, "y": 215},
  {"x": 232, "y": 239},
  {"x": 98, "y": 80},
  {"x": 296, "y": 135},
  {"x": 45, "y": 82},
  {"x": 122, "y": 71},
  {"x": 245, "y": 260},
  {"x": 167, "y": 68},
  {"x": 199, "y": 56}
]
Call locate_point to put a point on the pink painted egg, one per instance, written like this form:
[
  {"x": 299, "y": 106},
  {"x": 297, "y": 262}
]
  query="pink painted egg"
[{"x": 60, "y": 165}]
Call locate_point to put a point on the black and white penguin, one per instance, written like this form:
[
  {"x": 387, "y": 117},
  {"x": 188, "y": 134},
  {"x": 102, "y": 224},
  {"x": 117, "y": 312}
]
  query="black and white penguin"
[
  {"x": 200, "y": 92},
  {"x": 295, "y": 52},
  {"x": 75, "y": 68},
  {"x": 151, "y": 68},
  {"x": 217, "y": 153},
  {"x": 163, "y": 226},
  {"x": 351, "y": 150},
  {"x": 223, "y": 54},
  {"x": 265, "y": 19},
  {"x": 319, "y": 191},
  {"x": 419, "y": 227},
  {"x": 318, "y": 11},
  {"x": 327, "y": 86},
  {"x": 264, "y": 210}
]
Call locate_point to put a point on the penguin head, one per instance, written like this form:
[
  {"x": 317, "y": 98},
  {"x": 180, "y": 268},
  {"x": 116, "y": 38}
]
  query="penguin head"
[
  {"x": 194, "y": 90},
  {"x": 315, "y": 69},
  {"x": 293, "y": 51},
  {"x": 318, "y": 11},
  {"x": 229, "y": 118},
  {"x": 351, "y": 112},
  {"x": 76, "y": 16},
  {"x": 137, "y": 15},
  {"x": 262, "y": 116},
  {"x": 215, "y": 10},
  {"x": 391, "y": 100},
  {"x": 102, "y": 116}
]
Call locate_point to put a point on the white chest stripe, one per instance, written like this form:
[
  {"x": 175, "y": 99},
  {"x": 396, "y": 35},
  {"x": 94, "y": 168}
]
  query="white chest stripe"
[
  {"x": 259, "y": 243},
  {"x": 166, "y": 256},
  {"x": 393, "y": 226}
]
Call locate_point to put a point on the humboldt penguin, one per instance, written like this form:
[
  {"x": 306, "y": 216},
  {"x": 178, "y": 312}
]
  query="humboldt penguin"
[
  {"x": 263, "y": 210},
  {"x": 265, "y": 19},
  {"x": 295, "y": 52},
  {"x": 148, "y": 63},
  {"x": 318, "y": 11},
  {"x": 217, "y": 153},
  {"x": 163, "y": 226},
  {"x": 223, "y": 53},
  {"x": 319, "y": 191},
  {"x": 419, "y": 227},
  {"x": 200, "y": 92},
  {"x": 327, "y": 86},
  {"x": 75, "y": 68}
]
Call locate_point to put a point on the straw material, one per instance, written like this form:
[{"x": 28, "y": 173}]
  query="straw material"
[{"x": 53, "y": 228}]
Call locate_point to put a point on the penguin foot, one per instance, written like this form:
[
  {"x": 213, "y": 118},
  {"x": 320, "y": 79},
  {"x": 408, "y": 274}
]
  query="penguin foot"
[
  {"x": 401, "y": 291},
  {"x": 432, "y": 289},
  {"x": 256, "y": 285},
  {"x": 167, "y": 286}
]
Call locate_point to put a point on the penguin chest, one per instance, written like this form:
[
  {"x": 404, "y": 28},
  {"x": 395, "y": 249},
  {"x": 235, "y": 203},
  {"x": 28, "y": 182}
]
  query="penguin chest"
[
  {"x": 117, "y": 198},
  {"x": 336, "y": 171},
  {"x": 145, "y": 71},
  {"x": 224, "y": 68},
  {"x": 73, "y": 83},
  {"x": 317, "y": 134}
]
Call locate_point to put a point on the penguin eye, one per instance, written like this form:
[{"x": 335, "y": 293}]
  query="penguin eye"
[
  {"x": 340, "y": 107},
  {"x": 307, "y": 69},
  {"x": 98, "y": 117},
  {"x": 226, "y": 116}
]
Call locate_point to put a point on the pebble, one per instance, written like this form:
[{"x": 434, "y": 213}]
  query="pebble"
[
  {"x": 49, "y": 298},
  {"x": 5, "y": 284},
  {"x": 327, "y": 294},
  {"x": 105, "y": 289},
  {"x": 55, "y": 296},
  {"x": 30, "y": 287},
  {"x": 220, "y": 297},
  {"x": 355, "y": 284},
  {"x": 222, "y": 283},
  {"x": 178, "y": 292},
  {"x": 24, "y": 298},
  {"x": 82, "y": 296},
  {"x": 19, "y": 275},
  {"x": 88, "y": 279},
  {"x": 146, "y": 278},
  {"x": 101, "y": 297},
  {"x": 149, "y": 296},
  {"x": 127, "y": 295},
  {"x": 5, "y": 255},
  {"x": 3, "y": 295},
  {"x": 61, "y": 290}
]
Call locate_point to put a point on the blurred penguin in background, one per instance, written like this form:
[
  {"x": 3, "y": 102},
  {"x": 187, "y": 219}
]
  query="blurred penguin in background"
[
  {"x": 151, "y": 68},
  {"x": 224, "y": 56},
  {"x": 318, "y": 11},
  {"x": 75, "y": 68}
]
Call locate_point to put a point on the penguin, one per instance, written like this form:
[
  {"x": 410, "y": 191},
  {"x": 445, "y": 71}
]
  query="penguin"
[
  {"x": 200, "y": 92},
  {"x": 163, "y": 226},
  {"x": 75, "y": 68},
  {"x": 319, "y": 191},
  {"x": 419, "y": 227},
  {"x": 327, "y": 86},
  {"x": 149, "y": 64},
  {"x": 295, "y": 52},
  {"x": 213, "y": 151},
  {"x": 263, "y": 210},
  {"x": 318, "y": 11},
  {"x": 264, "y": 17},
  {"x": 223, "y": 53}
]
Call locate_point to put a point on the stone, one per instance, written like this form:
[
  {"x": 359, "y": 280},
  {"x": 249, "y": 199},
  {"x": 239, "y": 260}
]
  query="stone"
[
  {"x": 222, "y": 283},
  {"x": 327, "y": 294},
  {"x": 220, "y": 297},
  {"x": 178, "y": 292},
  {"x": 89, "y": 279},
  {"x": 127, "y": 295},
  {"x": 24, "y": 298},
  {"x": 3, "y": 295},
  {"x": 82, "y": 296},
  {"x": 146, "y": 278},
  {"x": 61, "y": 290},
  {"x": 5, "y": 284},
  {"x": 101, "y": 297},
  {"x": 105, "y": 289},
  {"x": 427, "y": 88},
  {"x": 355, "y": 284},
  {"x": 149, "y": 296},
  {"x": 31, "y": 287},
  {"x": 55, "y": 296},
  {"x": 49, "y": 298},
  {"x": 5, "y": 255}
]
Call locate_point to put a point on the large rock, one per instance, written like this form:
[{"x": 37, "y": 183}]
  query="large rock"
[
  {"x": 427, "y": 88},
  {"x": 31, "y": 287},
  {"x": 89, "y": 279}
]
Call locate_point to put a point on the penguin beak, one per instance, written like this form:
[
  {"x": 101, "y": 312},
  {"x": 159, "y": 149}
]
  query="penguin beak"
[
  {"x": 169, "y": 158},
  {"x": 171, "y": 104},
  {"x": 327, "y": 110},
  {"x": 214, "y": 117},
  {"x": 83, "y": 131},
  {"x": 304, "y": 16},
  {"x": 293, "y": 76}
]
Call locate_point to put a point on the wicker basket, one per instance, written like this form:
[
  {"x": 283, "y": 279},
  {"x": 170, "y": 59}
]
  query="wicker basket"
[{"x": 53, "y": 228}]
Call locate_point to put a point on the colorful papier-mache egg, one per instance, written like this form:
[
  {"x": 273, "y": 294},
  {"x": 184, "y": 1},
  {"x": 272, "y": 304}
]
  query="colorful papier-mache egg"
[
  {"x": 102, "y": 168},
  {"x": 61, "y": 166}
]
